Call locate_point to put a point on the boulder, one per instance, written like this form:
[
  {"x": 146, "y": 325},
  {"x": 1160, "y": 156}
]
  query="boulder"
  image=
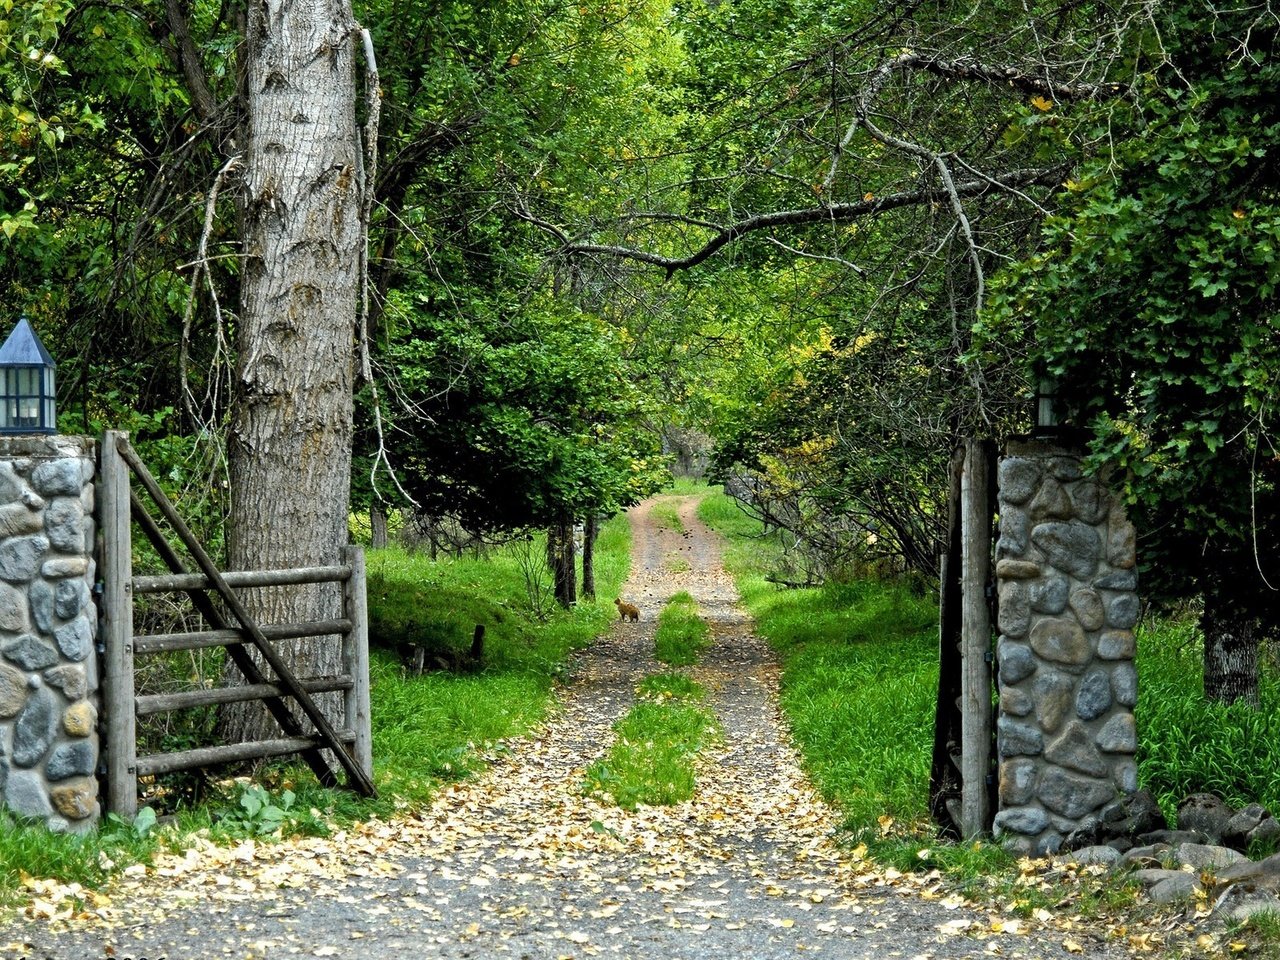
[
  {"x": 1181, "y": 886},
  {"x": 1172, "y": 838},
  {"x": 1207, "y": 814},
  {"x": 1097, "y": 855},
  {"x": 1119, "y": 822},
  {"x": 1203, "y": 856},
  {"x": 1148, "y": 856},
  {"x": 1252, "y": 874},
  {"x": 1239, "y": 831},
  {"x": 1151, "y": 876},
  {"x": 1255, "y": 907}
]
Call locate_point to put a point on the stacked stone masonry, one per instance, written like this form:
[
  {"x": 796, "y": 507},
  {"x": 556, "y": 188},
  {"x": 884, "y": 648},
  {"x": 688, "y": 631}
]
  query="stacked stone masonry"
[
  {"x": 1067, "y": 582},
  {"x": 48, "y": 624}
]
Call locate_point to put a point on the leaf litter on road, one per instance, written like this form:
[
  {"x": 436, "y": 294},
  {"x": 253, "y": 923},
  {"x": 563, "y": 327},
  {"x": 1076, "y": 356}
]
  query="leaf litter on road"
[{"x": 520, "y": 860}]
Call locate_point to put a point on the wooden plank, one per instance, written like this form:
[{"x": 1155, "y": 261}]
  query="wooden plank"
[
  {"x": 117, "y": 630},
  {"x": 357, "y": 777},
  {"x": 277, "y": 707},
  {"x": 165, "y": 702},
  {"x": 975, "y": 639},
  {"x": 242, "y": 578},
  {"x": 944, "y": 773},
  {"x": 355, "y": 661},
  {"x": 202, "y": 639},
  {"x": 232, "y": 753}
]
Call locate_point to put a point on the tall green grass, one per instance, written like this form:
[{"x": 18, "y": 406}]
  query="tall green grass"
[
  {"x": 1187, "y": 744},
  {"x": 437, "y": 727},
  {"x": 682, "y": 635},
  {"x": 651, "y": 761}
]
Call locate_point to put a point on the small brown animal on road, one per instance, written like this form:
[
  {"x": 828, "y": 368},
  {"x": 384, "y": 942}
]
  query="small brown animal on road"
[{"x": 627, "y": 611}]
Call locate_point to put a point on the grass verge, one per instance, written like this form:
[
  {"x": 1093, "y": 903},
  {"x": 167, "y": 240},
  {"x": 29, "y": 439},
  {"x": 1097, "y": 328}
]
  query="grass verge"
[
  {"x": 651, "y": 761},
  {"x": 670, "y": 686},
  {"x": 682, "y": 635},
  {"x": 666, "y": 514}
]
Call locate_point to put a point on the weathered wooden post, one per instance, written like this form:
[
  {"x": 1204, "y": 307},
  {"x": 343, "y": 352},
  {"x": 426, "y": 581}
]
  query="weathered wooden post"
[
  {"x": 975, "y": 524},
  {"x": 117, "y": 629},
  {"x": 945, "y": 785},
  {"x": 355, "y": 662}
]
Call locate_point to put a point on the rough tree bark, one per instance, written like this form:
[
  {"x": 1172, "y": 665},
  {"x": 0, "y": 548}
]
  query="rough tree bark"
[
  {"x": 290, "y": 440},
  {"x": 1230, "y": 650},
  {"x": 378, "y": 526},
  {"x": 561, "y": 558},
  {"x": 590, "y": 528}
]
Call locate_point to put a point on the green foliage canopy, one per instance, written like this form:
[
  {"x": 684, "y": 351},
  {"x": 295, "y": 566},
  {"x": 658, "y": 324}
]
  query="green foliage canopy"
[{"x": 1153, "y": 301}]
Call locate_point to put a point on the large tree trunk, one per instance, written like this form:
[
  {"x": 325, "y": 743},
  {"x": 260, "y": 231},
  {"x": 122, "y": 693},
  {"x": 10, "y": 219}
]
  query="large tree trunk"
[
  {"x": 561, "y": 558},
  {"x": 590, "y": 528},
  {"x": 290, "y": 443},
  {"x": 378, "y": 526},
  {"x": 1230, "y": 650}
]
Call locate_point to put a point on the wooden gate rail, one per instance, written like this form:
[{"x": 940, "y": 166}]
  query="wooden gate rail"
[
  {"x": 201, "y": 639},
  {"x": 351, "y": 745}
]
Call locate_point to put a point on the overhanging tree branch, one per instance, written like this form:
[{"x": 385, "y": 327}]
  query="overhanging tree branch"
[
  {"x": 831, "y": 213},
  {"x": 1024, "y": 81}
]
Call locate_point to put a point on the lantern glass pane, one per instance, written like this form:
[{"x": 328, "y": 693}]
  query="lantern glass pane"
[{"x": 50, "y": 420}]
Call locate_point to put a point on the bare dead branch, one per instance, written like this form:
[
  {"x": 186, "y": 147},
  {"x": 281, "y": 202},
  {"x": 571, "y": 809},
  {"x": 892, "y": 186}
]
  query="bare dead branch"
[
  {"x": 833, "y": 213},
  {"x": 201, "y": 264},
  {"x": 1022, "y": 80},
  {"x": 796, "y": 252}
]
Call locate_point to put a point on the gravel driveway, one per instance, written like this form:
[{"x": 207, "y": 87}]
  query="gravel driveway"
[{"x": 517, "y": 862}]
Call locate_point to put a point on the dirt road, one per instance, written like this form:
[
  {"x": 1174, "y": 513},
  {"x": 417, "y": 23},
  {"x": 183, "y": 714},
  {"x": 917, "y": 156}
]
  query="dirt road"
[{"x": 518, "y": 862}]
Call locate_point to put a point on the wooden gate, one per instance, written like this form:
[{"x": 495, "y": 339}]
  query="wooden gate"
[{"x": 229, "y": 626}]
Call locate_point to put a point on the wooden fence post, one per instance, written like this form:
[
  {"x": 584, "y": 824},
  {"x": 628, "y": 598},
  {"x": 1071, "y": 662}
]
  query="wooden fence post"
[
  {"x": 975, "y": 640},
  {"x": 945, "y": 783},
  {"x": 117, "y": 630},
  {"x": 355, "y": 662}
]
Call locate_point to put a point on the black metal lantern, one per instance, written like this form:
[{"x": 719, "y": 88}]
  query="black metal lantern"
[
  {"x": 27, "y": 398},
  {"x": 1046, "y": 413}
]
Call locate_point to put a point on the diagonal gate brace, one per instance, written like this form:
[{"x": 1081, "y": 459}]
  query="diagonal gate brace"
[{"x": 356, "y": 776}]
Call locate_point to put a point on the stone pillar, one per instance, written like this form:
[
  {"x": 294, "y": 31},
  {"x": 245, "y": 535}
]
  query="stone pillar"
[
  {"x": 48, "y": 622},
  {"x": 1068, "y": 604}
]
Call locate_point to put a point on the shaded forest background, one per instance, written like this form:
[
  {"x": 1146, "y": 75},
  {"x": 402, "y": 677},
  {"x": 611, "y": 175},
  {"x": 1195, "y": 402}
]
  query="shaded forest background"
[{"x": 832, "y": 238}]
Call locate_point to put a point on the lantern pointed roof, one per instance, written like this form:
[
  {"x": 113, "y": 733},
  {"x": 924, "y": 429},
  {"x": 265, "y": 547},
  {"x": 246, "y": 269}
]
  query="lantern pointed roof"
[{"x": 24, "y": 349}]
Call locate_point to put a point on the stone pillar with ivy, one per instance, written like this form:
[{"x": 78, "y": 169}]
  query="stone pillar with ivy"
[{"x": 48, "y": 625}]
